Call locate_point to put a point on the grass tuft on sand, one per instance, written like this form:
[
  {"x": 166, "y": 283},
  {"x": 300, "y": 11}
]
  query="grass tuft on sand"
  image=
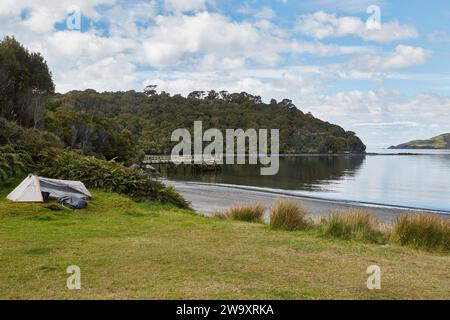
[
  {"x": 353, "y": 225},
  {"x": 287, "y": 214},
  {"x": 422, "y": 231},
  {"x": 249, "y": 213}
]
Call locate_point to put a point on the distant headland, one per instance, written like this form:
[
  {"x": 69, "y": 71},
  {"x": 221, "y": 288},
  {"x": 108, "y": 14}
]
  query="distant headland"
[{"x": 439, "y": 142}]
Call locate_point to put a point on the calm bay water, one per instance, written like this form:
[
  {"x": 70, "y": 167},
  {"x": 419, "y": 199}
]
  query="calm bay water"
[{"x": 419, "y": 181}]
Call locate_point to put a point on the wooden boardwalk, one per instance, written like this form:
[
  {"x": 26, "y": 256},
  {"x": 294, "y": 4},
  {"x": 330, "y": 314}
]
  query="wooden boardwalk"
[
  {"x": 185, "y": 164},
  {"x": 150, "y": 159},
  {"x": 167, "y": 159}
]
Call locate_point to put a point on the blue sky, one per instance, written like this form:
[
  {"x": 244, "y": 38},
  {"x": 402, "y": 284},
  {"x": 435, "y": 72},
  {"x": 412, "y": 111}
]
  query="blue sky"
[{"x": 388, "y": 84}]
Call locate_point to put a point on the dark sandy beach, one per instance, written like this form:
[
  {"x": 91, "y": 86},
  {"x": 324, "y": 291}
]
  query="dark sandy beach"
[{"x": 209, "y": 199}]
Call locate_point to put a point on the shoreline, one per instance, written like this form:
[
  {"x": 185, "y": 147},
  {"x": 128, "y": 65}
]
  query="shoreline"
[{"x": 209, "y": 199}]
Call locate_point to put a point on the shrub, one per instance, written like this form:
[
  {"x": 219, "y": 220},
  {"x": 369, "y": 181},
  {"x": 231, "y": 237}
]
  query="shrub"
[
  {"x": 35, "y": 141},
  {"x": 250, "y": 213},
  {"x": 288, "y": 215},
  {"x": 422, "y": 231},
  {"x": 107, "y": 175},
  {"x": 13, "y": 161},
  {"x": 30, "y": 140},
  {"x": 353, "y": 225}
]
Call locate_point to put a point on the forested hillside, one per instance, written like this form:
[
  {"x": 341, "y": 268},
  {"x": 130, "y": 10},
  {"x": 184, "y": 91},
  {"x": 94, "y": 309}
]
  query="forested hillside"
[{"x": 119, "y": 123}]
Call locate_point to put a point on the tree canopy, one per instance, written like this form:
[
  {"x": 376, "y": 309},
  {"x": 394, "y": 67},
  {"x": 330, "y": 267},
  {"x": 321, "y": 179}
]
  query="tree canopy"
[
  {"x": 25, "y": 83},
  {"x": 86, "y": 119}
]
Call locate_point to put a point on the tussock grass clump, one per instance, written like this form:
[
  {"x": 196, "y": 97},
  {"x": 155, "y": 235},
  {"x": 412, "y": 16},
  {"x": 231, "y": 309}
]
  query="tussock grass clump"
[
  {"x": 353, "y": 225},
  {"x": 422, "y": 231},
  {"x": 249, "y": 213},
  {"x": 288, "y": 215}
]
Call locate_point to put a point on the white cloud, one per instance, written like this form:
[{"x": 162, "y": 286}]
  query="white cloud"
[
  {"x": 185, "y": 5},
  {"x": 183, "y": 39},
  {"x": 113, "y": 73},
  {"x": 131, "y": 21},
  {"x": 206, "y": 37},
  {"x": 265, "y": 12},
  {"x": 86, "y": 45},
  {"x": 402, "y": 57},
  {"x": 210, "y": 40},
  {"x": 41, "y": 17},
  {"x": 321, "y": 25},
  {"x": 325, "y": 50}
]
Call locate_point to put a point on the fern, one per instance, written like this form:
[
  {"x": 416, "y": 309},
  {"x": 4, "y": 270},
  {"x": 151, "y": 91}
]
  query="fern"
[{"x": 13, "y": 162}]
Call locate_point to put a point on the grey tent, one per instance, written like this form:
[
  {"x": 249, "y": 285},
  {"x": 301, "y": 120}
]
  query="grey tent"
[{"x": 33, "y": 189}]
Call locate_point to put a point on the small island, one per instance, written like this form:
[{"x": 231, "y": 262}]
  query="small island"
[{"x": 439, "y": 142}]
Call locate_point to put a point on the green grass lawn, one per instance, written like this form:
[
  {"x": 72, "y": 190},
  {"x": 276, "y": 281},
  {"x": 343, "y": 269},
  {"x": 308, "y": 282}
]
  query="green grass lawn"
[{"x": 151, "y": 251}]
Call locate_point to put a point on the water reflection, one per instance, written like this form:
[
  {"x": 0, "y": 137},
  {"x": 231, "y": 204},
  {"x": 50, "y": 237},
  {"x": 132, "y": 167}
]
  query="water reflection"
[{"x": 296, "y": 173}]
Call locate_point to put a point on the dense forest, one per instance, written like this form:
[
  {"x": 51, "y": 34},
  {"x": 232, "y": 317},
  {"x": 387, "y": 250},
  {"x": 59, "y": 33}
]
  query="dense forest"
[
  {"x": 123, "y": 126},
  {"x": 125, "y": 123}
]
